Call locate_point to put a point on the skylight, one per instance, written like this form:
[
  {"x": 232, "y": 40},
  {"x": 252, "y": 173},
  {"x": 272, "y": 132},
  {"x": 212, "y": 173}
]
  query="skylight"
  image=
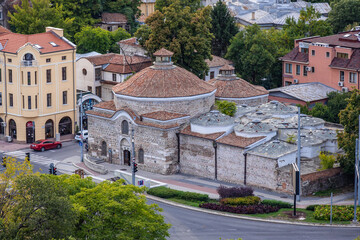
[
  {"x": 38, "y": 46},
  {"x": 53, "y": 44},
  {"x": 347, "y": 35}
]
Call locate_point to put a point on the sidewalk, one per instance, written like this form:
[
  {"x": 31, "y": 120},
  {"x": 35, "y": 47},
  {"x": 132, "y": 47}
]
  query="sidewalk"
[{"x": 189, "y": 183}]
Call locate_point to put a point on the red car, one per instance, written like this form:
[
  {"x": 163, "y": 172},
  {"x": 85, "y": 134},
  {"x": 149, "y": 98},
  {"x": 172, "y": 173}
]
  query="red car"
[{"x": 42, "y": 145}]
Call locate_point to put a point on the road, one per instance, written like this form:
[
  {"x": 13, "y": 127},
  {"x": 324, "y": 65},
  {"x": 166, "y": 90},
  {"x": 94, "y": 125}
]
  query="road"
[{"x": 193, "y": 225}]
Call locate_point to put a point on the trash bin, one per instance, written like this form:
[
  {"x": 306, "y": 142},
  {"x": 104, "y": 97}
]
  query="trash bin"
[
  {"x": 57, "y": 137},
  {"x": 8, "y": 138}
]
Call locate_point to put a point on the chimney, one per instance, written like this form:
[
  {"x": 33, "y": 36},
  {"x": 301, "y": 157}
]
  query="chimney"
[
  {"x": 58, "y": 31},
  {"x": 253, "y": 16}
]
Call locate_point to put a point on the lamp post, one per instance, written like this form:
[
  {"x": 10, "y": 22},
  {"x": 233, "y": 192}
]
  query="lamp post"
[
  {"x": 133, "y": 156},
  {"x": 81, "y": 129}
]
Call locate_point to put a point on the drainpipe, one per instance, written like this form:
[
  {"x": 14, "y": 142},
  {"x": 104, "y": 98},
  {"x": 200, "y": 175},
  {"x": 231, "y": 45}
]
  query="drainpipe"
[
  {"x": 74, "y": 89},
  {"x": 5, "y": 97},
  {"x": 245, "y": 166},
  {"x": 358, "y": 79},
  {"x": 178, "y": 146},
  {"x": 215, "y": 149}
]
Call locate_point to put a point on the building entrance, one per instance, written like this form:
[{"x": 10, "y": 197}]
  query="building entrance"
[
  {"x": 30, "y": 132},
  {"x": 127, "y": 157}
]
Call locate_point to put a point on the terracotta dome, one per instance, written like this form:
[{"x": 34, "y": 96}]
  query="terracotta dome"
[{"x": 163, "y": 80}]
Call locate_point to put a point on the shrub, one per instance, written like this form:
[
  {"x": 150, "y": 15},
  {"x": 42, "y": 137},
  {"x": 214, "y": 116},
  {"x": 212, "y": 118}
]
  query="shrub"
[
  {"x": 233, "y": 192},
  {"x": 275, "y": 203},
  {"x": 326, "y": 160},
  {"x": 249, "y": 200},
  {"x": 225, "y": 107},
  {"x": 312, "y": 207},
  {"x": 242, "y": 209},
  {"x": 340, "y": 213},
  {"x": 164, "y": 192}
]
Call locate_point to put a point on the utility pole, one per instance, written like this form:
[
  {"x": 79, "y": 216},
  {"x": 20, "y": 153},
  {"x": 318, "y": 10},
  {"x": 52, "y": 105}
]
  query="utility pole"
[
  {"x": 133, "y": 156},
  {"x": 81, "y": 129},
  {"x": 298, "y": 153}
]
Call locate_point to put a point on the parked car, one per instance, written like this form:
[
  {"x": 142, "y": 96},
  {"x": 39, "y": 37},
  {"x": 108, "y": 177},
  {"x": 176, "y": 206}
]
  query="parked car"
[
  {"x": 45, "y": 144},
  {"x": 78, "y": 135}
]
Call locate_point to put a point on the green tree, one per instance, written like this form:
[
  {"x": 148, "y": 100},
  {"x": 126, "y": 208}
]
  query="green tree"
[
  {"x": 252, "y": 53},
  {"x": 193, "y": 4},
  {"x": 349, "y": 118},
  {"x": 143, "y": 34},
  {"x": 29, "y": 19},
  {"x": 99, "y": 40},
  {"x": 117, "y": 211},
  {"x": 223, "y": 28},
  {"x": 183, "y": 32},
  {"x": 343, "y": 13},
  {"x": 225, "y": 107}
]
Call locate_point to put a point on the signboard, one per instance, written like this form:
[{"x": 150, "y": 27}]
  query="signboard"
[
  {"x": 295, "y": 179},
  {"x": 141, "y": 183},
  {"x": 80, "y": 144},
  {"x": 29, "y": 124}
]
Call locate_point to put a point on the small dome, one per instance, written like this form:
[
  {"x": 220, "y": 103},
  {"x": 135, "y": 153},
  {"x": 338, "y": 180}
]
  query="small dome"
[{"x": 163, "y": 53}]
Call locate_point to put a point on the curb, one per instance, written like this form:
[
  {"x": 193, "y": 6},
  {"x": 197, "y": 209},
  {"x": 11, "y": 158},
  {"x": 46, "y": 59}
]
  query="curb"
[
  {"x": 244, "y": 217},
  {"x": 85, "y": 170}
]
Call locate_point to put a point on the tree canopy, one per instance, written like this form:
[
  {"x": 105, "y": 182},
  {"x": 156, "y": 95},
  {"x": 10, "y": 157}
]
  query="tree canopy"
[
  {"x": 226, "y": 107},
  {"x": 193, "y": 4},
  {"x": 343, "y": 13},
  {"x": 183, "y": 32},
  {"x": 223, "y": 28}
]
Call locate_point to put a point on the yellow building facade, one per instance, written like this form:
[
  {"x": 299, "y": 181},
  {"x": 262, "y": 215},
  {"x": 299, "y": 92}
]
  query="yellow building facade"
[
  {"x": 37, "y": 86},
  {"x": 147, "y": 8}
]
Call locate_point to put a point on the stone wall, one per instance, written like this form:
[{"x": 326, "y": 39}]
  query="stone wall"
[
  {"x": 253, "y": 101},
  {"x": 189, "y": 107},
  {"x": 230, "y": 164}
]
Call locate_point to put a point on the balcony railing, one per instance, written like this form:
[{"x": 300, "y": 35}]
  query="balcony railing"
[{"x": 29, "y": 63}]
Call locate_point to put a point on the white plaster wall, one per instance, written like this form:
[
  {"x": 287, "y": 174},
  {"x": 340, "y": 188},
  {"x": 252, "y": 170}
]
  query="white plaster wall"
[
  {"x": 212, "y": 69},
  {"x": 311, "y": 151},
  {"x": 230, "y": 164},
  {"x": 83, "y": 81},
  {"x": 286, "y": 159},
  {"x": 211, "y": 129}
]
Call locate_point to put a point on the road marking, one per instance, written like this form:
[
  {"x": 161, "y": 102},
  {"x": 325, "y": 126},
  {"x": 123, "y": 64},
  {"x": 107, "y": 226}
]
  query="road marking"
[{"x": 34, "y": 158}]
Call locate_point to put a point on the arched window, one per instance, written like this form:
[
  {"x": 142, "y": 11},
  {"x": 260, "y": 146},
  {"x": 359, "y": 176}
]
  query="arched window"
[
  {"x": 125, "y": 127},
  {"x": 141, "y": 155},
  {"x": 12, "y": 129},
  {"x": 2, "y": 128},
  {"x": 49, "y": 129},
  {"x": 28, "y": 57},
  {"x": 65, "y": 126},
  {"x": 103, "y": 148}
]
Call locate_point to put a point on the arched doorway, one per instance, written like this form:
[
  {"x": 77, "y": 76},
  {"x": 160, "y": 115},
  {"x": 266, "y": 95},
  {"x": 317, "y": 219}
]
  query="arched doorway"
[
  {"x": 65, "y": 126},
  {"x": 30, "y": 132},
  {"x": 2, "y": 127},
  {"x": 12, "y": 129},
  {"x": 49, "y": 129},
  {"x": 127, "y": 157},
  {"x": 125, "y": 151}
]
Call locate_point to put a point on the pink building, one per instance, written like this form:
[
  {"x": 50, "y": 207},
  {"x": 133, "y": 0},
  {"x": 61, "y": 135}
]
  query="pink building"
[{"x": 332, "y": 60}]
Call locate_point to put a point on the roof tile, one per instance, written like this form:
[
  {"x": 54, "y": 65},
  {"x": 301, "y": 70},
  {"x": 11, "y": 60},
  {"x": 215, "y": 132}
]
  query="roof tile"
[
  {"x": 237, "y": 141},
  {"x": 163, "y": 115}
]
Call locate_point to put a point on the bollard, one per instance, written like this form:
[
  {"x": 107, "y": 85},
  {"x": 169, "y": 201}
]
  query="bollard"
[{"x": 27, "y": 156}]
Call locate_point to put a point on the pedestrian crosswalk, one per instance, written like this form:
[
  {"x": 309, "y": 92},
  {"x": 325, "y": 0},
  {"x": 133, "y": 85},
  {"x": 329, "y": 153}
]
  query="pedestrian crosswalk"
[{"x": 34, "y": 158}]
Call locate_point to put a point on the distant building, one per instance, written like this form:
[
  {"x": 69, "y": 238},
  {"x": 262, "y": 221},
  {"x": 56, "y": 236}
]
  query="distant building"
[
  {"x": 147, "y": 7},
  {"x": 332, "y": 60},
  {"x": 214, "y": 66},
  {"x": 131, "y": 47},
  {"x": 113, "y": 21}
]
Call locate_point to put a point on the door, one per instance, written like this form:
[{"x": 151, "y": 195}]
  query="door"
[
  {"x": 48, "y": 145},
  {"x": 126, "y": 157},
  {"x": 30, "y": 133}
]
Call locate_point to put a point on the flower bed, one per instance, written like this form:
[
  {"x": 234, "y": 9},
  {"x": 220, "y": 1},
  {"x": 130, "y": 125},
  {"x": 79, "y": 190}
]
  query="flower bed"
[
  {"x": 234, "y": 192},
  {"x": 241, "y": 209},
  {"x": 249, "y": 200},
  {"x": 339, "y": 213},
  {"x": 164, "y": 192}
]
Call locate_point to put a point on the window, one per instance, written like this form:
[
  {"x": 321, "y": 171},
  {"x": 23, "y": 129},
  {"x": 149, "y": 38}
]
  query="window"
[
  {"x": 0, "y": 75},
  {"x": 287, "y": 83},
  {"x": 23, "y": 101},
  {"x": 63, "y": 58},
  {"x": 288, "y": 67},
  {"x": 22, "y": 77},
  {"x": 29, "y": 102},
  {"x": 29, "y": 78},
  {"x": 35, "y": 77},
  {"x": 48, "y": 60},
  {"x": 98, "y": 74},
  {"x": 48, "y": 99},
  {"x": 304, "y": 71},
  {"x": 124, "y": 127},
  {"x": 84, "y": 71},
  {"x": 212, "y": 75},
  {"x": 11, "y": 100},
  {"x": 114, "y": 77},
  {"x": 297, "y": 69},
  {"x": 0, "y": 99},
  {"x": 64, "y": 97},
  {"x": 35, "y": 101},
  {"x": 89, "y": 89},
  {"x": 141, "y": 155},
  {"x": 98, "y": 91},
  {"x": 10, "y": 76},
  {"x": 48, "y": 75},
  {"x": 109, "y": 28},
  {"x": 305, "y": 50},
  {"x": 342, "y": 75},
  {"x": 342, "y": 55},
  {"x": 327, "y": 54},
  {"x": 313, "y": 69},
  {"x": 9, "y": 60},
  {"x": 352, "y": 77},
  {"x": 103, "y": 148},
  {"x": 63, "y": 73},
  {"x": 313, "y": 52}
]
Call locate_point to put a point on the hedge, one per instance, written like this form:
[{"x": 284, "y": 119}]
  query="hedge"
[
  {"x": 312, "y": 207},
  {"x": 233, "y": 192},
  {"x": 276, "y": 203},
  {"x": 164, "y": 192},
  {"x": 241, "y": 209},
  {"x": 339, "y": 213},
  {"x": 249, "y": 200}
]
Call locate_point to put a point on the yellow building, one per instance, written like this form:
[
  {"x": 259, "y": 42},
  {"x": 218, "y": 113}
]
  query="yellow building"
[
  {"x": 36, "y": 85},
  {"x": 147, "y": 7}
]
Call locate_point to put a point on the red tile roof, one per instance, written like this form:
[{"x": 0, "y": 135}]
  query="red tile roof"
[
  {"x": 213, "y": 136},
  {"x": 113, "y": 17},
  {"x": 337, "y": 40},
  {"x": 4, "y": 30},
  {"x": 296, "y": 56},
  {"x": 227, "y": 67},
  {"x": 238, "y": 88},
  {"x": 14, "y": 41},
  {"x": 130, "y": 41},
  {"x": 163, "y": 83},
  {"x": 237, "y": 141},
  {"x": 218, "y": 61},
  {"x": 352, "y": 63},
  {"x": 109, "y": 105},
  {"x": 163, "y": 115},
  {"x": 163, "y": 52}
]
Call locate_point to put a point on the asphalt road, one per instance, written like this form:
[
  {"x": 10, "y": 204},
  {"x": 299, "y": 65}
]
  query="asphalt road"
[{"x": 193, "y": 225}]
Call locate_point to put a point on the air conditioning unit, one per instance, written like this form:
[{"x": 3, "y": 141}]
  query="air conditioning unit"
[
  {"x": 308, "y": 69},
  {"x": 296, "y": 81},
  {"x": 344, "y": 89},
  {"x": 341, "y": 84}
]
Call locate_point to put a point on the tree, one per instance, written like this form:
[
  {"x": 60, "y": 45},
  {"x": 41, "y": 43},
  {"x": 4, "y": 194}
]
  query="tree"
[
  {"x": 183, "y": 32},
  {"x": 343, "y": 13},
  {"x": 193, "y": 4},
  {"x": 117, "y": 211},
  {"x": 223, "y": 28},
  {"x": 252, "y": 53},
  {"x": 99, "y": 40},
  {"x": 30, "y": 19},
  {"x": 349, "y": 118},
  {"x": 143, "y": 34},
  {"x": 225, "y": 107}
]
